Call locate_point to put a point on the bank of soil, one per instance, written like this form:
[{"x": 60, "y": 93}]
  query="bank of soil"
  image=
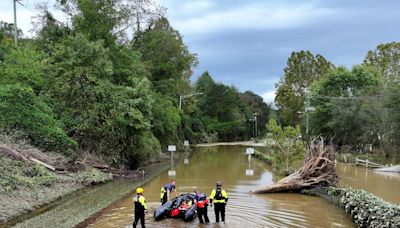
[{"x": 33, "y": 182}]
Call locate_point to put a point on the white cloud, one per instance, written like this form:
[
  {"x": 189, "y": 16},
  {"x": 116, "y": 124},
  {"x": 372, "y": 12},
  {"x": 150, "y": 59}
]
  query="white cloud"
[
  {"x": 24, "y": 17},
  {"x": 254, "y": 16},
  {"x": 269, "y": 96},
  {"x": 196, "y": 6}
]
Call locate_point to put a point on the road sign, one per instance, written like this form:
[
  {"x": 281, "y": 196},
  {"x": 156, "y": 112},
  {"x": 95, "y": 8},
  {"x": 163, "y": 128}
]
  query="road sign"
[
  {"x": 249, "y": 172},
  {"x": 171, "y": 173},
  {"x": 171, "y": 148},
  {"x": 186, "y": 143},
  {"x": 249, "y": 150}
]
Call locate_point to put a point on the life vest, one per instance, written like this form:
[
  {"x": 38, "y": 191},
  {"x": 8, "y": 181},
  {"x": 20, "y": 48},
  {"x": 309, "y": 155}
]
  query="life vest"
[
  {"x": 218, "y": 194},
  {"x": 201, "y": 204},
  {"x": 139, "y": 207},
  {"x": 201, "y": 200}
]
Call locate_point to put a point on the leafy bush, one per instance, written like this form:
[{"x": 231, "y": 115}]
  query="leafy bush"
[
  {"x": 366, "y": 209},
  {"x": 23, "y": 65},
  {"x": 263, "y": 157},
  {"x": 285, "y": 144},
  {"x": 22, "y": 110}
]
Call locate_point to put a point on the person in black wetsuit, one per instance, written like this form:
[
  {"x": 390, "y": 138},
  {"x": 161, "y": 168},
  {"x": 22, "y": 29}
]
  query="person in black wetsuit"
[{"x": 140, "y": 207}]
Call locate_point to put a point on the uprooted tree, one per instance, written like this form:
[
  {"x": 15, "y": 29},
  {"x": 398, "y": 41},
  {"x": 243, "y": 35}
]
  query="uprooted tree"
[{"x": 318, "y": 171}]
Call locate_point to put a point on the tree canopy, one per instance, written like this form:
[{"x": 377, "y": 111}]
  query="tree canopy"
[
  {"x": 108, "y": 81},
  {"x": 302, "y": 69}
]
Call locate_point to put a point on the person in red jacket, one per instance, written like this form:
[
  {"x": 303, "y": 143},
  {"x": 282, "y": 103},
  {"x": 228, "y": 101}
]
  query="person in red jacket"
[{"x": 202, "y": 203}]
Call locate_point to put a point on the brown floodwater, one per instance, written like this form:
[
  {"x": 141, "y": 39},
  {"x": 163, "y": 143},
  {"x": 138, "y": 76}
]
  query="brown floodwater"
[{"x": 229, "y": 164}]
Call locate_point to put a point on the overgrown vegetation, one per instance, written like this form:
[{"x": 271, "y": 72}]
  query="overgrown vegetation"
[
  {"x": 285, "y": 144},
  {"x": 366, "y": 209},
  {"x": 356, "y": 109},
  {"x": 109, "y": 80}
]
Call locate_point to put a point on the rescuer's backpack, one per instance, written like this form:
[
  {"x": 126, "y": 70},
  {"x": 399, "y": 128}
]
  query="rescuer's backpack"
[{"x": 218, "y": 194}]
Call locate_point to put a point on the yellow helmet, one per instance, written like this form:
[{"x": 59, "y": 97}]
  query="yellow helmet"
[{"x": 139, "y": 190}]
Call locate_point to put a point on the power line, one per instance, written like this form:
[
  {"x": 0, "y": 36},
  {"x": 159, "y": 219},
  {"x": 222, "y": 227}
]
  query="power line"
[{"x": 346, "y": 98}]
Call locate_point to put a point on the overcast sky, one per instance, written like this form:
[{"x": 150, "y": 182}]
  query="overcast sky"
[{"x": 247, "y": 43}]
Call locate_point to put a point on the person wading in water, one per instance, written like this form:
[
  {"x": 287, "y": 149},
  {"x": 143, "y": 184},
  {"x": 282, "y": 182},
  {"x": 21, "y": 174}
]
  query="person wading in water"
[
  {"x": 220, "y": 199},
  {"x": 202, "y": 203},
  {"x": 140, "y": 207},
  {"x": 166, "y": 192}
]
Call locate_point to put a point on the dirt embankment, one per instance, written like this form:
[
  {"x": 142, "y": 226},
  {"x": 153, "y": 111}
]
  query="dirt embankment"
[{"x": 31, "y": 179}]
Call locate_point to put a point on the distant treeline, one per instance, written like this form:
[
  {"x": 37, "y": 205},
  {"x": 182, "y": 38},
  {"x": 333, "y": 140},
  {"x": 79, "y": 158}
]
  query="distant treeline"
[{"x": 108, "y": 81}]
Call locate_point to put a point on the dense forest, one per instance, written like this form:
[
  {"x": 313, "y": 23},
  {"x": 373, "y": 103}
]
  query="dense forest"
[
  {"x": 109, "y": 81},
  {"x": 357, "y": 109},
  {"x": 115, "y": 79}
]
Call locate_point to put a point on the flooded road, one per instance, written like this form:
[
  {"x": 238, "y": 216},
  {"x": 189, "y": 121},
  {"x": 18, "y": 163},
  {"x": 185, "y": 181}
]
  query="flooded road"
[{"x": 229, "y": 164}]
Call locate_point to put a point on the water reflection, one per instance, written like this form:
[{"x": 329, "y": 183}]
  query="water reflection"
[
  {"x": 229, "y": 164},
  {"x": 384, "y": 185}
]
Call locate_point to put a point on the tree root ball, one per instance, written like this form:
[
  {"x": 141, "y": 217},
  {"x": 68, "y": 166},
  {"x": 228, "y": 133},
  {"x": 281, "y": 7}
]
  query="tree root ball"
[{"x": 318, "y": 170}]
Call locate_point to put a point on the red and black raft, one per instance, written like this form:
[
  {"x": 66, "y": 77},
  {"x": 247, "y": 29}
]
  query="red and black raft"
[{"x": 182, "y": 206}]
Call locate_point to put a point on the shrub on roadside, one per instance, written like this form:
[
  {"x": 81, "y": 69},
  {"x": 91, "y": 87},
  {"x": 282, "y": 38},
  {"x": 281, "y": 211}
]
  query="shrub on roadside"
[
  {"x": 23, "y": 112},
  {"x": 366, "y": 209}
]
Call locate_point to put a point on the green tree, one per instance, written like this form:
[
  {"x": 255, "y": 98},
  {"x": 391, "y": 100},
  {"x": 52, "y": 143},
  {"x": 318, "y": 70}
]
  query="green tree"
[
  {"x": 340, "y": 100},
  {"x": 96, "y": 19},
  {"x": 49, "y": 31},
  {"x": 26, "y": 116},
  {"x": 7, "y": 30},
  {"x": 114, "y": 120},
  {"x": 166, "y": 57},
  {"x": 303, "y": 68},
  {"x": 23, "y": 65},
  {"x": 256, "y": 104},
  {"x": 166, "y": 121},
  {"x": 221, "y": 110},
  {"x": 386, "y": 59},
  {"x": 285, "y": 144}
]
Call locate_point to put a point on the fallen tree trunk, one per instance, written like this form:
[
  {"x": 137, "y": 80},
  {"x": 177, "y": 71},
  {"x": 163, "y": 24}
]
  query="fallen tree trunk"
[{"x": 318, "y": 170}]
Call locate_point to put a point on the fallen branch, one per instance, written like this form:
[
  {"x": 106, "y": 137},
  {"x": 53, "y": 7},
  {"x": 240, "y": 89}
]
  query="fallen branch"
[
  {"x": 13, "y": 154},
  {"x": 318, "y": 170},
  {"x": 52, "y": 168}
]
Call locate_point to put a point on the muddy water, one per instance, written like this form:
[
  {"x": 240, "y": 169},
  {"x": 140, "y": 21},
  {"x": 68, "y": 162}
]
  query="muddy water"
[
  {"x": 386, "y": 185},
  {"x": 229, "y": 164}
]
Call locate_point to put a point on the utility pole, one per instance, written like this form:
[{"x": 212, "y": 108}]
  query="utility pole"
[
  {"x": 15, "y": 23},
  {"x": 308, "y": 110},
  {"x": 254, "y": 119},
  {"x": 255, "y": 114}
]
